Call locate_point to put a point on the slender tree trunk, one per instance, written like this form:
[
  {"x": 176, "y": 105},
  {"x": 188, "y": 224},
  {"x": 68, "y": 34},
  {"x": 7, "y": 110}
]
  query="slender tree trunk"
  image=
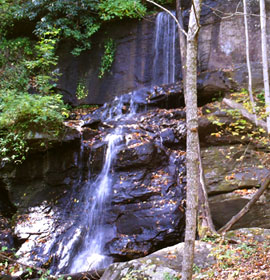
[
  {"x": 205, "y": 223},
  {"x": 248, "y": 62},
  {"x": 192, "y": 140},
  {"x": 265, "y": 62}
]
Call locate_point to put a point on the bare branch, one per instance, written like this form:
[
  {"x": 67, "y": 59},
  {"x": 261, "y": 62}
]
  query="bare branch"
[
  {"x": 244, "y": 210},
  {"x": 196, "y": 17},
  {"x": 219, "y": 13}
]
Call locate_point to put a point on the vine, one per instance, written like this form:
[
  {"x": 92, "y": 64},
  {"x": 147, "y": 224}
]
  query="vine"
[{"x": 108, "y": 57}]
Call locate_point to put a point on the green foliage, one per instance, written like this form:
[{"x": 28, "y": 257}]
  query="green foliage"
[
  {"x": 14, "y": 73},
  {"x": 81, "y": 91},
  {"x": 108, "y": 57},
  {"x": 28, "y": 65},
  {"x": 109, "y": 9},
  {"x": 260, "y": 97},
  {"x": 7, "y": 10},
  {"x": 4, "y": 248},
  {"x": 43, "y": 61},
  {"x": 13, "y": 147},
  {"x": 21, "y": 115},
  {"x": 25, "y": 111},
  {"x": 238, "y": 125},
  {"x": 78, "y": 20}
]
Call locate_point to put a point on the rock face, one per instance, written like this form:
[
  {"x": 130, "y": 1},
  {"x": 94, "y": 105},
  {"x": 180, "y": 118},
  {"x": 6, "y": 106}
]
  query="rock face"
[
  {"x": 132, "y": 67},
  {"x": 234, "y": 170},
  {"x": 222, "y": 64},
  {"x": 232, "y": 167}
]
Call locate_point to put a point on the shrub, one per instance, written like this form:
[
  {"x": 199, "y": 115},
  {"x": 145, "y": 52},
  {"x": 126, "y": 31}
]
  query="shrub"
[{"x": 22, "y": 113}]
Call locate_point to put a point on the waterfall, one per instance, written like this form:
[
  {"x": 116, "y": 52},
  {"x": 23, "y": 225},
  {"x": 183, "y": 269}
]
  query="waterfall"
[
  {"x": 81, "y": 244},
  {"x": 164, "y": 65},
  {"x": 96, "y": 193},
  {"x": 91, "y": 255}
]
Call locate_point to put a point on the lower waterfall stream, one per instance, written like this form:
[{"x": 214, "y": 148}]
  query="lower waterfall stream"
[
  {"x": 96, "y": 194},
  {"x": 91, "y": 255}
]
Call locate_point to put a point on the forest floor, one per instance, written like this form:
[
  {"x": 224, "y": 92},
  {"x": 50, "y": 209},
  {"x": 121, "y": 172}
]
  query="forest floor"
[{"x": 243, "y": 257}]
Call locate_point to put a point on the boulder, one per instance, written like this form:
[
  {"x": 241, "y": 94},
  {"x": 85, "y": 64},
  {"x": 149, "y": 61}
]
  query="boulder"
[
  {"x": 251, "y": 234},
  {"x": 163, "y": 264}
]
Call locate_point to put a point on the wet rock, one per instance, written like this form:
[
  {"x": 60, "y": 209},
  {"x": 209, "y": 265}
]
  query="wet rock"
[
  {"x": 168, "y": 137},
  {"x": 89, "y": 133},
  {"x": 138, "y": 154},
  {"x": 163, "y": 263},
  {"x": 92, "y": 123}
]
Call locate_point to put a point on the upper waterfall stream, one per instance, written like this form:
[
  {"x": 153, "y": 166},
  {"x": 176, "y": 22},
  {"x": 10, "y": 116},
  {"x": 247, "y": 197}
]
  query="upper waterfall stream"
[{"x": 166, "y": 57}]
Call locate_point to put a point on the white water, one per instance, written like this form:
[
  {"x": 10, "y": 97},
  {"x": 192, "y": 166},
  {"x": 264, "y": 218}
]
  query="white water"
[
  {"x": 164, "y": 66},
  {"x": 91, "y": 256},
  {"x": 115, "y": 112}
]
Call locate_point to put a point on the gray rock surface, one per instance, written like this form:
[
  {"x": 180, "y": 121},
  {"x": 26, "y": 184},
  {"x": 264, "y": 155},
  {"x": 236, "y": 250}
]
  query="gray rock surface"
[
  {"x": 232, "y": 167},
  {"x": 225, "y": 206},
  {"x": 165, "y": 262}
]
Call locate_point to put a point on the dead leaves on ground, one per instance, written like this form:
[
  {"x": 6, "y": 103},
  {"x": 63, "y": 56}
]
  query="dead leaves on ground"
[{"x": 246, "y": 260}]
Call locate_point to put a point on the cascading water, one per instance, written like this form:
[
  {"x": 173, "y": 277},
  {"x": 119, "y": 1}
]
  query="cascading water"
[
  {"x": 96, "y": 195},
  {"x": 91, "y": 255},
  {"x": 164, "y": 65}
]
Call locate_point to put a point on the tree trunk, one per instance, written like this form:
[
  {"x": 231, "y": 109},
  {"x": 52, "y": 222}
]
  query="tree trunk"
[
  {"x": 248, "y": 62},
  {"x": 265, "y": 63},
  {"x": 192, "y": 139},
  {"x": 205, "y": 223}
]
